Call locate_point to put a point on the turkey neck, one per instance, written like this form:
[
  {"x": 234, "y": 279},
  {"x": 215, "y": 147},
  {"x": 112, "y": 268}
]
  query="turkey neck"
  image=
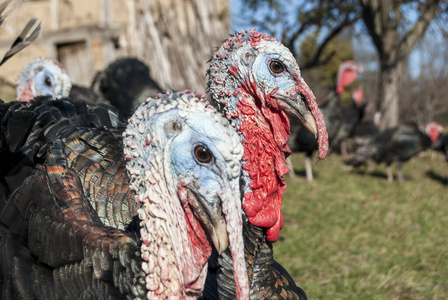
[{"x": 264, "y": 131}]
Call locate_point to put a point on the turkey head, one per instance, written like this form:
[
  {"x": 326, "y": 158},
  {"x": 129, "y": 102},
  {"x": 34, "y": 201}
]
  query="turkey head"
[
  {"x": 184, "y": 161},
  {"x": 255, "y": 81},
  {"x": 43, "y": 77}
]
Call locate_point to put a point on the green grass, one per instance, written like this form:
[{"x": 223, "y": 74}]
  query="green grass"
[{"x": 356, "y": 236}]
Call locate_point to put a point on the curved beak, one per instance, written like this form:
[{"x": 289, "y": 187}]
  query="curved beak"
[
  {"x": 222, "y": 216},
  {"x": 212, "y": 217},
  {"x": 298, "y": 108}
]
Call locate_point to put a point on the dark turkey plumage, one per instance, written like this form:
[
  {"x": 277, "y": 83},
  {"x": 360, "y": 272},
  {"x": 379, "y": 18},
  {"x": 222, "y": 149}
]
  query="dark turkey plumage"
[
  {"x": 397, "y": 144},
  {"x": 68, "y": 226},
  {"x": 339, "y": 120},
  {"x": 63, "y": 179},
  {"x": 126, "y": 83},
  {"x": 269, "y": 280},
  {"x": 362, "y": 133},
  {"x": 85, "y": 94},
  {"x": 442, "y": 145}
]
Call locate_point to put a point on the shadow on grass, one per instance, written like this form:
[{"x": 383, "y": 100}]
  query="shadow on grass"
[
  {"x": 379, "y": 174},
  {"x": 434, "y": 176},
  {"x": 364, "y": 172},
  {"x": 302, "y": 173}
]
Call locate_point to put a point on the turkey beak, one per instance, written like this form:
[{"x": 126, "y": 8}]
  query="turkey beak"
[
  {"x": 218, "y": 233},
  {"x": 298, "y": 108},
  {"x": 210, "y": 213}
]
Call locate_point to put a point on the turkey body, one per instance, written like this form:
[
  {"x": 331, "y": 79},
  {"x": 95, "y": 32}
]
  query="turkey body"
[
  {"x": 442, "y": 145},
  {"x": 268, "y": 279},
  {"x": 85, "y": 94},
  {"x": 55, "y": 203},
  {"x": 362, "y": 133},
  {"x": 397, "y": 144},
  {"x": 126, "y": 83},
  {"x": 75, "y": 225},
  {"x": 339, "y": 120}
]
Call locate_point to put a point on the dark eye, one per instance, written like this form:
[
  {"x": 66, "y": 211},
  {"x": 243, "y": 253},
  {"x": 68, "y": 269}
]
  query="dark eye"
[
  {"x": 48, "y": 81},
  {"x": 202, "y": 154},
  {"x": 276, "y": 66}
]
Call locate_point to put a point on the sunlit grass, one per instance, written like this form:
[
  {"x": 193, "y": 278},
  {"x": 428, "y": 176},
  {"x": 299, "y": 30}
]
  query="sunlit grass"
[{"x": 349, "y": 235}]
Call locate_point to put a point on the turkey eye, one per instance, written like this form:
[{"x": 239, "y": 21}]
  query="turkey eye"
[
  {"x": 48, "y": 81},
  {"x": 202, "y": 154},
  {"x": 276, "y": 66}
]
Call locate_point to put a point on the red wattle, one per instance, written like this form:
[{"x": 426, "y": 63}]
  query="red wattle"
[
  {"x": 265, "y": 131},
  {"x": 201, "y": 246},
  {"x": 346, "y": 78}
]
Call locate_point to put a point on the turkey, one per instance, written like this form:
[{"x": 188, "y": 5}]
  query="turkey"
[
  {"x": 267, "y": 279},
  {"x": 302, "y": 140},
  {"x": 74, "y": 225},
  {"x": 46, "y": 76},
  {"x": 126, "y": 83},
  {"x": 255, "y": 82},
  {"x": 40, "y": 77},
  {"x": 347, "y": 119},
  {"x": 441, "y": 145},
  {"x": 28, "y": 35},
  {"x": 364, "y": 131},
  {"x": 396, "y": 144}
]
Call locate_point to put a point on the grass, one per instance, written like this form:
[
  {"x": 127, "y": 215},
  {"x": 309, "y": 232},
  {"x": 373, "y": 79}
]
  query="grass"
[{"x": 349, "y": 235}]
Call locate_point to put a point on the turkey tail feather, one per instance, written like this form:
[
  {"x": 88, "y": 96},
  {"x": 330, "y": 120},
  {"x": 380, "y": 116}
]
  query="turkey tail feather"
[
  {"x": 4, "y": 5},
  {"x": 28, "y": 35}
]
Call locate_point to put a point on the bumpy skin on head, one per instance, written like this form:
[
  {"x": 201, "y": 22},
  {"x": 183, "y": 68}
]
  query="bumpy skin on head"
[
  {"x": 256, "y": 81},
  {"x": 184, "y": 163},
  {"x": 43, "y": 77}
]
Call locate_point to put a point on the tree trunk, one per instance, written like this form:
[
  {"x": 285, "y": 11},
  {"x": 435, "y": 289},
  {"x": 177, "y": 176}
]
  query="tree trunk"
[
  {"x": 382, "y": 19},
  {"x": 388, "y": 99}
]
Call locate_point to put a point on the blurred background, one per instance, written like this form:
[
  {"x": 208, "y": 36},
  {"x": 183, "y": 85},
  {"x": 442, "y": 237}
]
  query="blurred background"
[{"x": 348, "y": 234}]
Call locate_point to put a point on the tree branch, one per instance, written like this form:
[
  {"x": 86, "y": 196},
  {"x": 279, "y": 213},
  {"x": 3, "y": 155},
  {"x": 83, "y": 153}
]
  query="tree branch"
[
  {"x": 428, "y": 13},
  {"x": 369, "y": 16},
  {"x": 315, "y": 60}
]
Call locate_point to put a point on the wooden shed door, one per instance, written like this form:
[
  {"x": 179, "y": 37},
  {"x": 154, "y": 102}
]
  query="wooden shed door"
[{"x": 75, "y": 59}]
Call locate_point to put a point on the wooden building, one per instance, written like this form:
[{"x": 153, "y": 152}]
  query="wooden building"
[{"x": 174, "y": 37}]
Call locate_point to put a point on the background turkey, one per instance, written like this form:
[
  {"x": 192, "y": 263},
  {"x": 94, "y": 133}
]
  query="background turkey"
[
  {"x": 441, "y": 145},
  {"x": 68, "y": 223},
  {"x": 126, "y": 83},
  {"x": 337, "y": 119},
  {"x": 397, "y": 144},
  {"x": 363, "y": 132},
  {"x": 43, "y": 77},
  {"x": 347, "y": 119}
]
